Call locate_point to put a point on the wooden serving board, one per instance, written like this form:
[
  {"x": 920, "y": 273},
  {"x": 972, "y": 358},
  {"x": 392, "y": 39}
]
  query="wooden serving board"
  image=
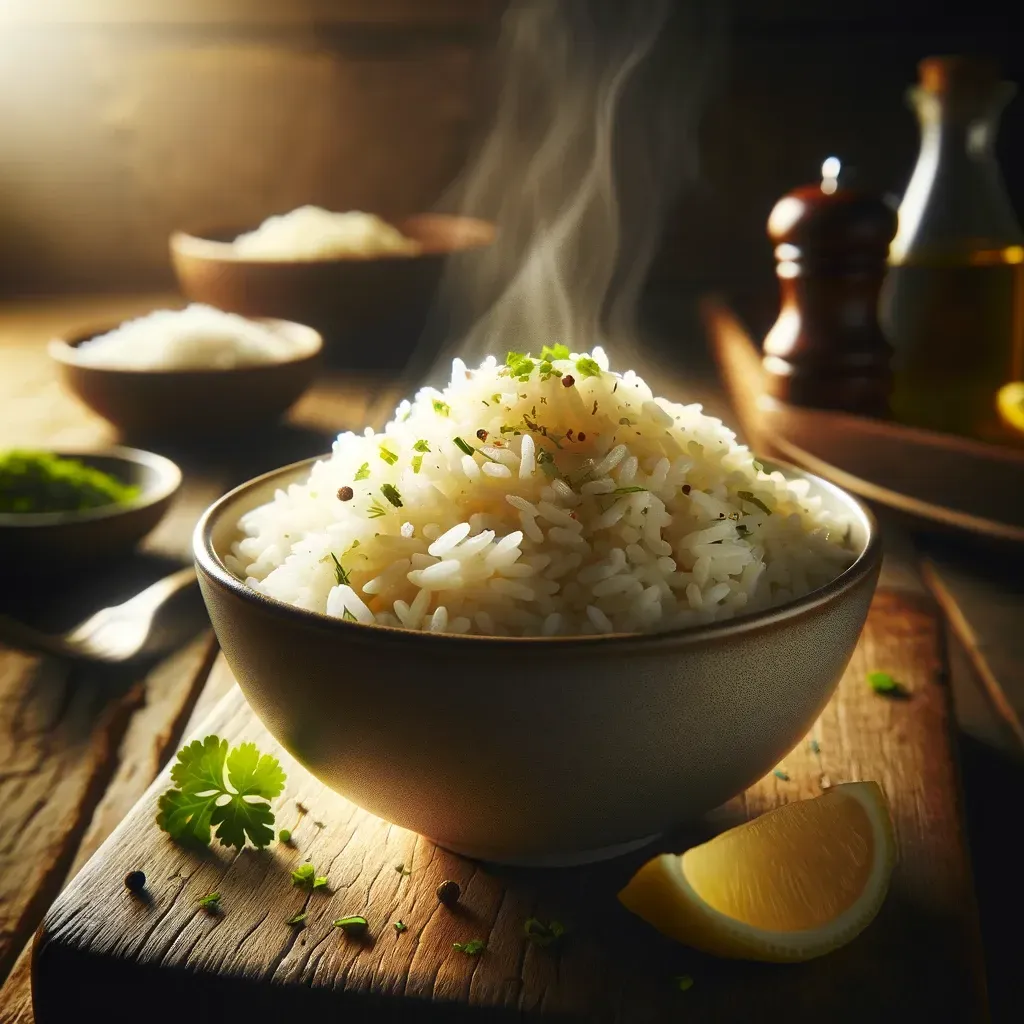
[{"x": 104, "y": 954}]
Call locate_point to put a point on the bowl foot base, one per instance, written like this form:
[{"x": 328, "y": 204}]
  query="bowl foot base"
[{"x": 554, "y": 860}]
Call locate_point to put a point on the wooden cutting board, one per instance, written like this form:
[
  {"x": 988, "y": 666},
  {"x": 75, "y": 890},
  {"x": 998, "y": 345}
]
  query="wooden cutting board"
[{"x": 104, "y": 954}]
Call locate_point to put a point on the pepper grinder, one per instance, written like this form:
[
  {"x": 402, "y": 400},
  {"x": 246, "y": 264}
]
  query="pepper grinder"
[{"x": 827, "y": 350}]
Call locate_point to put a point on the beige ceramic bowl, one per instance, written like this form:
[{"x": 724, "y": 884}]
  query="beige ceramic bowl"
[
  {"x": 191, "y": 403},
  {"x": 535, "y": 751}
]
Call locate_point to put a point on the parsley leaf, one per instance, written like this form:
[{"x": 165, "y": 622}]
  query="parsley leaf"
[
  {"x": 347, "y": 616},
  {"x": 298, "y": 918},
  {"x": 550, "y": 352},
  {"x": 543, "y": 934},
  {"x": 401, "y": 926},
  {"x": 339, "y": 573},
  {"x": 421, "y": 446},
  {"x": 884, "y": 684},
  {"x": 520, "y": 365},
  {"x": 392, "y": 494},
  {"x": 210, "y": 902},
  {"x": 417, "y": 463},
  {"x": 354, "y": 924},
  {"x": 587, "y": 367},
  {"x": 305, "y": 877},
  {"x": 363, "y": 472},
  {"x": 387, "y": 455},
  {"x": 189, "y": 812},
  {"x": 472, "y": 948},
  {"x": 441, "y": 408}
]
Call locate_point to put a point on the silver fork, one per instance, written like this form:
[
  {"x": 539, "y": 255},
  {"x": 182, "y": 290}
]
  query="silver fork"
[{"x": 112, "y": 635}]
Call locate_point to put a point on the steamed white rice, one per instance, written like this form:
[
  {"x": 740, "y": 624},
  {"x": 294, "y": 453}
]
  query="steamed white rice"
[
  {"x": 197, "y": 337},
  {"x": 585, "y": 505},
  {"x": 311, "y": 232}
]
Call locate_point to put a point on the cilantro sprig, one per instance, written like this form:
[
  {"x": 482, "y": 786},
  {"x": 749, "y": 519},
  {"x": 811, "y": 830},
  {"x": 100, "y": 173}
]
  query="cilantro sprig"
[
  {"x": 221, "y": 790},
  {"x": 305, "y": 877}
]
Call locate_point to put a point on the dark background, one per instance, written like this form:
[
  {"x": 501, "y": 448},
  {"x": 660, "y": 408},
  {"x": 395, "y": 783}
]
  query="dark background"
[{"x": 122, "y": 120}]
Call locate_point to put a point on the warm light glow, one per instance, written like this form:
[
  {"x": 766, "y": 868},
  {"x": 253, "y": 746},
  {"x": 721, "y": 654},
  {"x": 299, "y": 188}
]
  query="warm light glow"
[{"x": 830, "y": 174}]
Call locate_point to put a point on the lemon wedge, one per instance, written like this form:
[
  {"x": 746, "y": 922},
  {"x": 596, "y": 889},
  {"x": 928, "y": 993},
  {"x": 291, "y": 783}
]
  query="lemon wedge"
[
  {"x": 1010, "y": 403},
  {"x": 793, "y": 884}
]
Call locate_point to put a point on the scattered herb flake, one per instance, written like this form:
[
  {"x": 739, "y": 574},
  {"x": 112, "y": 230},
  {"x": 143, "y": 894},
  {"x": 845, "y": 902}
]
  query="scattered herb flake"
[
  {"x": 628, "y": 490},
  {"x": 387, "y": 455},
  {"x": 347, "y": 616},
  {"x": 462, "y": 446},
  {"x": 683, "y": 982},
  {"x": 417, "y": 463},
  {"x": 210, "y": 902},
  {"x": 472, "y": 948},
  {"x": 298, "y": 918},
  {"x": 392, "y": 494},
  {"x": 305, "y": 877},
  {"x": 363, "y": 472},
  {"x": 550, "y": 352},
  {"x": 496, "y": 398},
  {"x": 401, "y": 926},
  {"x": 421, "y": 446},
  {"x": 339, "y": 573},
  {"x": 884, "y": 684},
  {"x": 403, "y": 870},
  {"x": 593, "y": 412},
  {"x": 747, "y": 496},
  {"x": 190, "y": 811},
  {"x": 780, "y": 774},
  {"x": 543, "y": 934},
  {"x": 587, "y": 367},
  {"x": 376, "y": 510},
  {"x": 354, "y": 924},
  {"x": 814, "y": 746}
]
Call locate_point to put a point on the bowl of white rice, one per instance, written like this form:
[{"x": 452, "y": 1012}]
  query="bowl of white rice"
[
  {"x": 191, "y": 372},
  {"x": 544, "y": 614},
  {"x": 365, "y": 281}
]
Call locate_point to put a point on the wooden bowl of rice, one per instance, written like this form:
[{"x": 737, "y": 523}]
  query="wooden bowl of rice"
[{"x": 371, "y": 310}]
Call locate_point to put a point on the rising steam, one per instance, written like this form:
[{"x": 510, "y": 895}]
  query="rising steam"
[{"x": 594, "y": 132}]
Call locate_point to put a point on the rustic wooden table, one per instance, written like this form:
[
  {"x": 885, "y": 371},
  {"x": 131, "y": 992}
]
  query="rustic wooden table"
[{"x": 79, "y": 746}]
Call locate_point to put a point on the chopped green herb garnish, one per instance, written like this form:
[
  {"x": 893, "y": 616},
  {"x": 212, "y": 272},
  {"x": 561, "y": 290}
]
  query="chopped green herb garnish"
[
  {"x": 297, "y": 918},
  {"x": 354, "y": 924},
  {"x": 376, "y": 510},
  {"x": 363, "y": 472},
  {"x": 587, "y": 367},
  {"x": 211, "y": 902},
  {"x": 417, "y": 463},
  {"x": 472, "y": 948},
  {"x": 550, "y": 352},
  {"x": 421, "y": 446},
  {"x": 392, "y": 494},
  {"x": 747, "y": 496},
  {"x": 387, "y": 455},
  {"x": 496, "y": 397},
  {"x": 683, "y": 982},
  {"x": 814, "y": 746},
  {"x": 339, "y": 572},
  {"x": 401, "y": 926},
  {"x": 441, "y": 408},
  {"x": 347, "y": 616},
  {"x": 519, "y": 365},
  {"x": 883, "y": 683},
  {"x": 305, "y": 877},
  {"x": 462, "y": 446},
  {"x": 780, "y": 774},
  {"x": 202, "y": 799},
  {"x": 628, "y": 490},
  {"x": 285, "y": 835},
  {"x": 35, "y": 482},
  {"x": 543, "y": 934},
  {"x": 403, "y": 870}
]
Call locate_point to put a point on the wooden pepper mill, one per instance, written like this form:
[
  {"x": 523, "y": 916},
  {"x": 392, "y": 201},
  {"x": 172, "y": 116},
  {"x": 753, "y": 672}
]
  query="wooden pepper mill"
[{"x": 827, "y": 350}]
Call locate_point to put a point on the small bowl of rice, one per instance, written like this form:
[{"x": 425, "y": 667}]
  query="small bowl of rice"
[
  {"x": 365, "y": 282},
  {"x": 544, "y": 615},
  {"x": 189, "y": 372}
]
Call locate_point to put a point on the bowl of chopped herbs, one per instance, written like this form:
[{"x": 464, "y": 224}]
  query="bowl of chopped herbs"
[{"x": 62, "y": 510}]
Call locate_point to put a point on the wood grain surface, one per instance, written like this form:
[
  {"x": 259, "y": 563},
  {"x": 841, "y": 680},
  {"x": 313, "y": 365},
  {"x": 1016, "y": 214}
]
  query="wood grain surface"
[{"x": 921, "y": 956}]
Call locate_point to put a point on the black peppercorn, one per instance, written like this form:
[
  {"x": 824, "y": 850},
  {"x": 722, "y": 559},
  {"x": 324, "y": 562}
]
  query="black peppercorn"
[
  {"x": 345, "y": 493},
  {"x": 482, "y": 434},
  {"x": 581, "y": 436},
  {"x": 135, "y": 881},
  {"x": 448, "y": 893},
  {"x": 686, "y": 488},
  {"x": 568, "y": 380}
]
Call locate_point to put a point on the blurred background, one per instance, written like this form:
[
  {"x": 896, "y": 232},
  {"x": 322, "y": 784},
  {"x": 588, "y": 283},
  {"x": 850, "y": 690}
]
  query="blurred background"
[{"x": 122, "y": 120}]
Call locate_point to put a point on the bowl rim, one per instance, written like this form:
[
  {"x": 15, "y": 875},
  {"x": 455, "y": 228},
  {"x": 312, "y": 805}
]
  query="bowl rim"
[
  {"x": 63, "y": 350},
  {"x": 209, "y": 564},
  {"x": 202, "y": 246},
  {"x": 168, "y": 481}
]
